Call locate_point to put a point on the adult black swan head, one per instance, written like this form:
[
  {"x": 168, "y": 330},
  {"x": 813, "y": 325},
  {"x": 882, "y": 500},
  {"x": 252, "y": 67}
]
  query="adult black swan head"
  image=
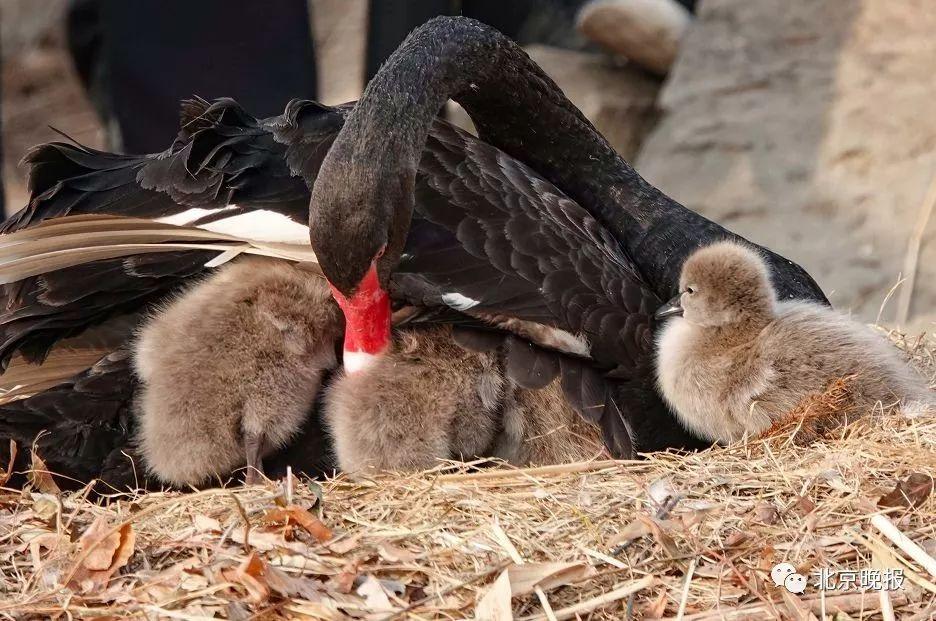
[{"x": 362, "y": 201}]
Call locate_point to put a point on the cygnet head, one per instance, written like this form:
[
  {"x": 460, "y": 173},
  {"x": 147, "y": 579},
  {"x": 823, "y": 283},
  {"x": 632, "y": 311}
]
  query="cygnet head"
[{"x": 722, "y": 284}]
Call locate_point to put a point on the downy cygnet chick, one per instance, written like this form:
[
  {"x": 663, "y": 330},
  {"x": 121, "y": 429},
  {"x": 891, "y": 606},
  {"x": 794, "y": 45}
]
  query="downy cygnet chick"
[
  {"x": 428, "y": 399},
  {"x": 736, "y": 360},
  {"x": 231, "y": 369}
]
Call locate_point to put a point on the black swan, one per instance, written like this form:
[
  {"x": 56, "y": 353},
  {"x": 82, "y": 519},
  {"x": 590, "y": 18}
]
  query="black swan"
[{"x": 490, "y": 242}]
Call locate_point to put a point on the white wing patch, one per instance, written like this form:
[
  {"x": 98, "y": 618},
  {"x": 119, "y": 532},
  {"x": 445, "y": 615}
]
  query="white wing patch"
[
  {"x": 458, "y": 301},
  {"x": 259, "y": 225},
  {"x": 184, "y": 218}
]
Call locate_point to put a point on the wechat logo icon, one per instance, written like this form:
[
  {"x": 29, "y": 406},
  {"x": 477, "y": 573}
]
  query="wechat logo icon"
[{"x": 784, "y": 575}]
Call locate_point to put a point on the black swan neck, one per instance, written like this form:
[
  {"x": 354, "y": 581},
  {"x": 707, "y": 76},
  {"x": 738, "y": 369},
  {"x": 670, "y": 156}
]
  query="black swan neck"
[{"x": 514, "y": 105}]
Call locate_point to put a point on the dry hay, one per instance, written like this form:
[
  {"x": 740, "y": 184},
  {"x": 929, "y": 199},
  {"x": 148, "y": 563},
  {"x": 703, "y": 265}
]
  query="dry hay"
[{"x": 691, "y": 537}]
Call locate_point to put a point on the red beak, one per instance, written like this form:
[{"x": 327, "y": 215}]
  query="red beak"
[{"x": 367, "y": 320}]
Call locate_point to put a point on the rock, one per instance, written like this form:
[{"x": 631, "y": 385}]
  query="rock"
[
  {"x": 646, "y": 32},
  {"x": 807, "y": 126},
  {"x": 26, "y": 23}
]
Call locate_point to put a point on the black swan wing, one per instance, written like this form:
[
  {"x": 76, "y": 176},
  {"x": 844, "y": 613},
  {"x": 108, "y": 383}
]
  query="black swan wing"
[
  {"x": 82, "y": 427},
  {"x": 42, "y": 310},
  {"x": 493, "y": 240},
  {"x": 223, "y": 163},
  {"x": 224, "y": 172}
]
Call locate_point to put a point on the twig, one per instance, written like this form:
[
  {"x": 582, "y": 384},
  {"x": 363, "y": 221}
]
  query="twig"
[
  {"x": 887, "y": 608},
  {"x": 685, "y": 591},
  {"x": 484, "y": 574},
  {"x": 890, "y": 530},
  {"x": 582, "y": 466},
  {"x": 515, "y": 556},
  {"x": 890, "y": 293},
  {"x": 598, "y": 602},
  {"x": 243, "y": 515},
  {"x": 912, "y": 256},
  {"x": 661, "y": 514}
]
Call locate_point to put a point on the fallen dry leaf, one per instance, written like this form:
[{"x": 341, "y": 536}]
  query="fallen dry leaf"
[
  {"x": 718, "y": 571},
  {"x": 184, "y": 574},
  {"x": 657, "y": 609},
  {"x": 736, "y": 538},
  {"x": 688, "y": 519},
  {"x": 251, "y": 575},
  {"x": 45, "y": 506},
  {"x": 526, "y": 577},
  {"x": 237, "y": 611},
  {"x": 102, "y": 552},
  {"x": 205, "y": 524},
  {"x": 523, "y": 579},
  {"x": 767, "y": 555},
  {"x": 805, "y": 505},
  {"x": 6, "y": 474},
  {"x": 374, "y": 595},
  {"x": 43, "y": 539},
  {"x": 641, "y": 527},
  {"x": 812, "y": 522},
  {"x": 343, "y": 546},
  {"x": 102, "y": 545},
  {"x": 344, "y": 581},
  {"x": 269, "y": 541},
  {"x": 495, "y": 604},
  {"x": 395, "y": 554},
  {"x": 658, "y": 528},
  {"x": 40, "y": 477},
  {"x": 301, "y": 517},
  {"x": 634, "y": 530},
  {"x": 911, "y": 492},
  {"x": 766, "y": 513},
  {"x": 289, "y": 586}
]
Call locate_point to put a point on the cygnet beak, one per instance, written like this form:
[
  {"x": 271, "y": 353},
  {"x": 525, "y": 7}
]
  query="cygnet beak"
[{"x": 670, "y": 309}]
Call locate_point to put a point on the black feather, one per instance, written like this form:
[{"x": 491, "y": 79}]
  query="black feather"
[{"x": 530, "y": 366}]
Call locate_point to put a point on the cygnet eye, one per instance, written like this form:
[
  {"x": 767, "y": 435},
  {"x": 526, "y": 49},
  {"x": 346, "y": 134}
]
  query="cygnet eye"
[{"x": 690, "y": 290}]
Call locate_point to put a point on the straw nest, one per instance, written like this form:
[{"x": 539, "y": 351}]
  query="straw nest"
[{"x": 691, "y": 537}]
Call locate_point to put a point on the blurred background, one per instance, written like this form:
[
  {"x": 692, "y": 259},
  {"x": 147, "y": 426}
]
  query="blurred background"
[{"x": 806, "y": 125}]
